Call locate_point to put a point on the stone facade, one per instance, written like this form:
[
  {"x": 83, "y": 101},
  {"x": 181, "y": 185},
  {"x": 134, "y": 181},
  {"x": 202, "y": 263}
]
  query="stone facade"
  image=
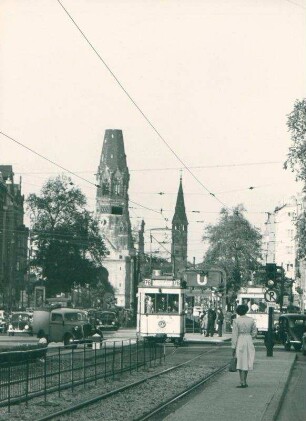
[
  {"x": 112, "y": 203},
  {"x": 13, "y": 241}
]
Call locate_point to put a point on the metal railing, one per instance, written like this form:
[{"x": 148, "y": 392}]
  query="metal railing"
[{"x": 64, "y": 368}]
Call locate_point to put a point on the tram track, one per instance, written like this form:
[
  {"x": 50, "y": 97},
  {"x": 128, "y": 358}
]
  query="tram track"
[
  {"x": 86, "y": 404},
  {"x": 175, "y": 399}
]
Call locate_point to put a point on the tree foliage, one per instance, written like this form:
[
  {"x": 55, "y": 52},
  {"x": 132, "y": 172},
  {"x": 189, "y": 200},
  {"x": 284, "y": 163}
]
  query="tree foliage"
[
  {"x": 296, "y": 161},
  {"x": 296, "y": 124},
  {"x": 234, "y": 245},
  {"x": 68, "y": 248}
]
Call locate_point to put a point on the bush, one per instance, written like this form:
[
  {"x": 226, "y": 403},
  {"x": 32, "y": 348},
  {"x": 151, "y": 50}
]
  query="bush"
[{"x": 22, "y": 353}]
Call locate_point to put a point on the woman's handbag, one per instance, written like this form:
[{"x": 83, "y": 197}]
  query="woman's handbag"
[{"x": 233, "y": 365}]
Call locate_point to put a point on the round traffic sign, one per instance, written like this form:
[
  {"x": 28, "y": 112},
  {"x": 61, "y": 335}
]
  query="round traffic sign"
[{"x": 271, "y": 296}]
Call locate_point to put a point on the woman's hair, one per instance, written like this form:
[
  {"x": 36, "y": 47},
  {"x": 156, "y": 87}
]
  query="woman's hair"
[{"x": 242, "y": 309}]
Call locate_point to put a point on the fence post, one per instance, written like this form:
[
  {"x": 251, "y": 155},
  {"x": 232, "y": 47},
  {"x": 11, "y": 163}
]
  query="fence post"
[
  {"x": 130, "y": 344},
  {"x": 27, "y": 378},
  {"x": 113, "y": 359},
  {"x": 84, "y": 365},
  {"x": 144, "y": 353},
  {"x": 9, "y": 386},
  {"x": 59, "y": 371},
  {"x": 72, "y": 368},
  {"x": 105, "y": 360},
  {"x": 121, "y": 361},
  {"x": 45, "y": 378},
  {"x": 137, "y": 354},
  {"x": 150, "y": 354},
  {"x": 95, "y": 364}
]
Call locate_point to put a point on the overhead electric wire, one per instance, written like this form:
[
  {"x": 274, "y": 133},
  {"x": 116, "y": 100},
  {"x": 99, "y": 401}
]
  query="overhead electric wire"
[
  {"x": 47, "y": 159},
  {"x": 164, "y": 168},
  {"x": 137, "y": 106},
  {"x": 296, "y": 4}
]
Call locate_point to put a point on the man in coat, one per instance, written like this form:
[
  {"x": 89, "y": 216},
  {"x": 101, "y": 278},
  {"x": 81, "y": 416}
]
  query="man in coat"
[
  {"x": 220, "y": 320},
  {"x": 211, "y": 318}
]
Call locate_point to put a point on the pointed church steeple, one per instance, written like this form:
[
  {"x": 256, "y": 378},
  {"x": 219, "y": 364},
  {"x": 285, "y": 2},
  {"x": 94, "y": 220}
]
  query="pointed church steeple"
[
  {"x": 180, "y": 211},
  {"x": 179, "y": 234}
]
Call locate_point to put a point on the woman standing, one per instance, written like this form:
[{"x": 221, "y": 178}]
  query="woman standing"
[{"x": 244, "y": 329}]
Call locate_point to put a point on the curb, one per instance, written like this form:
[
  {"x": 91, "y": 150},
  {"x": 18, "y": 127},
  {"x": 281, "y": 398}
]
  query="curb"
[
  {"x": 212, "y": 342},
  {"x": 273, "y": 407}
]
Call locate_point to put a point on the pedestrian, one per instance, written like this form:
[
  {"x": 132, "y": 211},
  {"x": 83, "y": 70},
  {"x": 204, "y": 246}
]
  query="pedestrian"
[
  {"x": 220, "y": 320},
  {"x": 203, "y": 323},
  {"x": 244, "y": 329},
  {"x": 211, "y": 318}
]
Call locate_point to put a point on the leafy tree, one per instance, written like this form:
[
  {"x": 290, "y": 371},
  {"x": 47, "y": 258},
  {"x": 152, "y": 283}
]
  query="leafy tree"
[
  {"x": 234, "y": 246},
  {"x": 297, "y": 163},
  {"x": 68, "y": 248},
  {"x": 297, "y": 128},
  {"x": 149, "y": 263}
]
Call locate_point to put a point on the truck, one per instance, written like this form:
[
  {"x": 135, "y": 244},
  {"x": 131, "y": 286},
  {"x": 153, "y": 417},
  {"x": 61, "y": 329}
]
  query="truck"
[{"x": 68, "y": 325}]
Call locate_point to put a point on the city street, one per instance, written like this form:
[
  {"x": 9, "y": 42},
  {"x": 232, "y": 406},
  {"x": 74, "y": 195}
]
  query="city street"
[{"x": 294, "y": 405}]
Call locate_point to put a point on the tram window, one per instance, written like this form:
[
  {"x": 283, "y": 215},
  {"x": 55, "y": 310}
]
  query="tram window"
[
  {"x": 150, "y": 303},
  {"x": 173, "y": 303},
  {"x": 162, "y": 303}
]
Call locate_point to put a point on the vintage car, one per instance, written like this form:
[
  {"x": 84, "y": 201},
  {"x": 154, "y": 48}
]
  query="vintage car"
[
  {"x": 104, "y": 320},
  {"x": 68, "y": 325},
  {"x": 20, "y": 322},
  {"x": 3, "y": 324},
  {"x": 292, "y": 331}
]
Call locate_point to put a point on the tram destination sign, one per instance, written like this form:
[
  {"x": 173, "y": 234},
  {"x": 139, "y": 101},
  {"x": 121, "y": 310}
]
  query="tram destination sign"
[{"x": 162, "y": 282}]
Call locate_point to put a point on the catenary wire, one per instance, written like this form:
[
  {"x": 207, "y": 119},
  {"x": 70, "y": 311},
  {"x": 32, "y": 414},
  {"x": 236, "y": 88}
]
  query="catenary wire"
[
  {"x": 47, "y": 159},
  {"x": 137, "y": 106}
]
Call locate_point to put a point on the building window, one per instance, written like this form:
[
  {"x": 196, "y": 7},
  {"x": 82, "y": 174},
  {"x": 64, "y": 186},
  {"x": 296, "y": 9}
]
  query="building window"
[{"x": 105, "y": 187}]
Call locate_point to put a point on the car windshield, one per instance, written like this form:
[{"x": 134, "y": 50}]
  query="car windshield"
[
  {"x": 106, "y": 317},
  {"x": 17, "y": 317},
  {"x": 297, "y": 322},
  {"x": 76, "y": 317}
]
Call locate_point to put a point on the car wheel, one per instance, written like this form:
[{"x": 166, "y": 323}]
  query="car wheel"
[
  {"x": 41, "y": 335},
  {"x": 297, "y": 347},
  {"x": 68, "y": 341}
]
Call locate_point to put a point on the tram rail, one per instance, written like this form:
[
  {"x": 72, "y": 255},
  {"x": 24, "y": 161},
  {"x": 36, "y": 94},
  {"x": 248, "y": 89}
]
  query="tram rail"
[{"x": 87, "y": 403}]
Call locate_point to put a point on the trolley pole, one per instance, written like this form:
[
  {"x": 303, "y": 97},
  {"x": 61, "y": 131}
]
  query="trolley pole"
[{"x": 269, "y": 342}]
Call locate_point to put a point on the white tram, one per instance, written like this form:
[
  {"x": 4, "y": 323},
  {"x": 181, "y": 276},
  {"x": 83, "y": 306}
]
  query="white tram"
[{"x": 160, "y": 313}]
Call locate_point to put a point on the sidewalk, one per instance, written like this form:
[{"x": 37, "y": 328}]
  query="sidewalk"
[
  {"x": 198, "y": 338},
  {"x": 221, "y": 400}
]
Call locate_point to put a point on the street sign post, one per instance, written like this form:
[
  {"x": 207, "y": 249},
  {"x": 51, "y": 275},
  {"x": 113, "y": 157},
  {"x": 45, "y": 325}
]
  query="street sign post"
[{"x": 269, "y": 342}]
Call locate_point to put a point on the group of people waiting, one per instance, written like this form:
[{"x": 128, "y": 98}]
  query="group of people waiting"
[{"x": 212, "y": 321}]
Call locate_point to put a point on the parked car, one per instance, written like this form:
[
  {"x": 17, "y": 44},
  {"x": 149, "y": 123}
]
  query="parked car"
[
  {"x": 292, "y": 331},
  {"x": 20, "y": 322},
  {"x": 104, "y": 320},
  {"x": 68, "y": 325},
  {"x": 3, "y": 325}
]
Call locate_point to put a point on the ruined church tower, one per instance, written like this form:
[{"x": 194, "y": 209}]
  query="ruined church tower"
[
  {"x": 112, "y": 210},
  {"x": 179, "y": 234}
]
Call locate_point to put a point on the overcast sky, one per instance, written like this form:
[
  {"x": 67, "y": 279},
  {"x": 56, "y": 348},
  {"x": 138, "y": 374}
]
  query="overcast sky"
[{"x": 215, "y": 77}]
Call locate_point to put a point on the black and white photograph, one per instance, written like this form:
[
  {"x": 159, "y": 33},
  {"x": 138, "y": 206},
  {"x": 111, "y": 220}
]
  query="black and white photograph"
[{"x": 153, "y": 210}]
